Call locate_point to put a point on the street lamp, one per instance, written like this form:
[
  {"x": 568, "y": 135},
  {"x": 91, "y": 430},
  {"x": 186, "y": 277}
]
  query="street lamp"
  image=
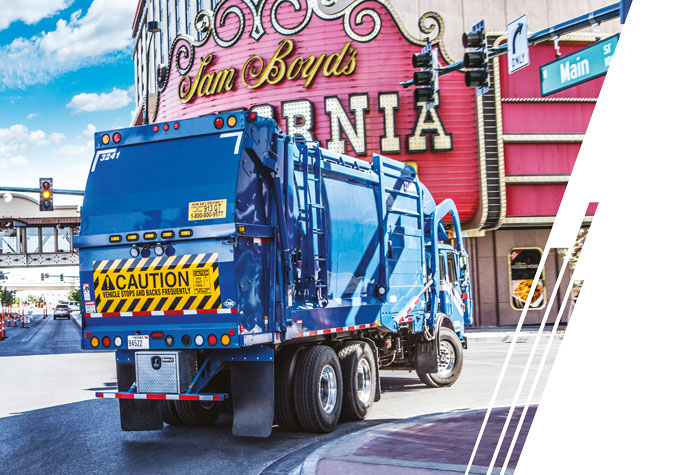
[{"x": 152, "y": 27}]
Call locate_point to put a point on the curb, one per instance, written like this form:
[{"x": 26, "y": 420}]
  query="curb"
[
  {"x": 76, "y": 317},
  {"x": 506, "y": 337},
  {"x": 310, "y": 464}
]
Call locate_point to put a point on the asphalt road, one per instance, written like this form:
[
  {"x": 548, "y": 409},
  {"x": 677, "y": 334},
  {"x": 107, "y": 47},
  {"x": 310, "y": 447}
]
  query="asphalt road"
[
  {"x": 43, "y": 336},
  {"x": 50, "y": 423}
]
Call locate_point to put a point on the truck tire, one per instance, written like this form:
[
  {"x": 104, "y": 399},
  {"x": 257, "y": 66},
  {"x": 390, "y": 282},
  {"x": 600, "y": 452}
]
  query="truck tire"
[
  {"x": 358, "y": 373},
  {"x": 285, "y": 412},
  {"x": 169, "y": 413},
  {"x": 318, "y": 389},
  {"x": 198, "y": 414},
  {"x": 449, "y": 359}
]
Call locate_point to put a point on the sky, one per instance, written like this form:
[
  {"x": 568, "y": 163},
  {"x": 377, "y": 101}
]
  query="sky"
[{"x": 67, "y": 71}]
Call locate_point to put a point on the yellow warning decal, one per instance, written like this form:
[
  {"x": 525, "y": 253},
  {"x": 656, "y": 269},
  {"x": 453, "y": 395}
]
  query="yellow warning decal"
[
  {"x": 207, "y": 210},
  {"x": 185, "y": 282}
]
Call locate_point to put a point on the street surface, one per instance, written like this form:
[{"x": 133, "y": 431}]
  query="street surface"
[{"x": 50, "y": 422}]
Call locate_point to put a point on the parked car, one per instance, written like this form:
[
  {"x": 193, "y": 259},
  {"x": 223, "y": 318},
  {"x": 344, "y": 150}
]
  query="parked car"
[{"x": 61, "y": 311}]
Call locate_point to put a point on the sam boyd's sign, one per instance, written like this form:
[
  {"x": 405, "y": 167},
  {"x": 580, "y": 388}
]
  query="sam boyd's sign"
[{"x": 581, "y": 66}]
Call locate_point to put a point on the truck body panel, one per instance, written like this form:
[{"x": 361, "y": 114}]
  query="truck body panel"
[{"x": 235, "y": 241}]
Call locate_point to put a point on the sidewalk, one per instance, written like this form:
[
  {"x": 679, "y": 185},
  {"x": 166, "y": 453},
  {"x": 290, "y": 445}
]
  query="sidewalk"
[
  {"x": 429, "y": 444},
  {"x": 497, "y": 334}
]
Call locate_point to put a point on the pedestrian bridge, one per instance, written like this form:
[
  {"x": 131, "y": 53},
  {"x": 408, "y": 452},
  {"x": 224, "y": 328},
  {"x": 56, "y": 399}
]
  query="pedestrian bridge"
[{"x": 33, "y": 238}]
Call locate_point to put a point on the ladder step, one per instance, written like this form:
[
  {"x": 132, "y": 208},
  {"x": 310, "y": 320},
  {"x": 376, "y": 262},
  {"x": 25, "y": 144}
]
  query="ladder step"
[{"x": 313, "y": 205}]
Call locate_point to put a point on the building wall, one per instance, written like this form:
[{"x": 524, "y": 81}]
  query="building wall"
[{"x": 491, "y": 278}]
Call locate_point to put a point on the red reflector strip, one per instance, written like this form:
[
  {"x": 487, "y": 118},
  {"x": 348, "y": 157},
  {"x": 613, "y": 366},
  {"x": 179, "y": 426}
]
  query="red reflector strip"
[
  {"x": 164, "y": 397},
  {"x": 208, "y": 311},
  {"x": 327, "y": 331}
]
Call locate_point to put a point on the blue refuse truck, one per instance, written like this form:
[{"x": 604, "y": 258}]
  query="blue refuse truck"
[{"x": 235, "y": 268}]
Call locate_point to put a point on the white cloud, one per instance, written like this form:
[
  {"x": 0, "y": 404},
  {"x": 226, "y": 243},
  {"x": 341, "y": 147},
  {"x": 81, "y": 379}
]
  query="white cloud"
[
  {"x": 19, "y": 137},
  {"x": 32, "y": 115},
  {"x": 13, "y": 162},
  {"x": 75, "y": 151},
  {"x": 91, "y": 102},
  {"x": 100, "y": 35},
  {"x": 29, "y": 11},
  {"x": 89, "y": 131}
]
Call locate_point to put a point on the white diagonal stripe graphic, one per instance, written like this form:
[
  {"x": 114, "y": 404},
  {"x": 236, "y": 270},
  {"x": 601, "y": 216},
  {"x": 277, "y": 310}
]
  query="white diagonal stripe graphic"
[
  {"x": 501, "y": 375},
  {"x": 529, "y": 360},
  {"x": 537, "y": 377}
]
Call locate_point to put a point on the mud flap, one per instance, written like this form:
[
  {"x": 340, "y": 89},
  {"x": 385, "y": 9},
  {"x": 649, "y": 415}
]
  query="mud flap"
[
  {"x": 426, "y": 356},
  {"x": 140, "y": 414},
  {"x": 253, "y": 398}
]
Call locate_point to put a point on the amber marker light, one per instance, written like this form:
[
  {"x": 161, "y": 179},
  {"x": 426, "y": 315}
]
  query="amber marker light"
[
  {"x": 150, "y": 235},
  {"x": 167, "y": 234},
  {"x": 94, "y": 342},
  {"x": 185, "y": 232},
  {"x": 115, "y": 238},
  {"x": 105, "y": 139},
  {"x": 225, "y": 340},
  {"x": 132, "y": 237},
  {"x": 232, "y": 121}
]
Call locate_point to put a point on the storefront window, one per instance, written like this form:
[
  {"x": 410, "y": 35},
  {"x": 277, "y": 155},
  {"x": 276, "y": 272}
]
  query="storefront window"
[
  {"x": 32, "y": 241},
  {"x": 523, "y": 263},
  {"x": 9, "y": 241},
  {"x": 64, "y": 239},
  {"x": 49, "y": 241}
]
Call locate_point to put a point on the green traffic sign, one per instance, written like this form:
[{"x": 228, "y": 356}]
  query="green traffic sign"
[{"x": 580, "y": 66}]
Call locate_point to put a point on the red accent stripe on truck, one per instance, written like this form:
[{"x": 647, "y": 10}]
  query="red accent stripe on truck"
[
  {"x": 327, "y": 331},
  {"x": 208, "y": 311}
]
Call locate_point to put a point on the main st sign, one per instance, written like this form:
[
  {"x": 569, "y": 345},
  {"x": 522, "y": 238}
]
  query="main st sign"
[{"x": 331, "y": 75}]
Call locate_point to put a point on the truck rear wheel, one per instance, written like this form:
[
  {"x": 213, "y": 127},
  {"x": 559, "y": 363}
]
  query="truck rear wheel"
[
  {"x": 169, "y": 413},
  {"x": 198, "y": 414},
  {"x": 449, "y": 360},
  {"x": 318, "y": 389},
  {"x": 358, "y": 373},
  {"x": 285, "y": 412}
]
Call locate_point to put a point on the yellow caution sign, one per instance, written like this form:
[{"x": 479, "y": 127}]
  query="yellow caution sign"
[
  {"x": 185, "y": 282},
  {"x": 207, "y": 210}
]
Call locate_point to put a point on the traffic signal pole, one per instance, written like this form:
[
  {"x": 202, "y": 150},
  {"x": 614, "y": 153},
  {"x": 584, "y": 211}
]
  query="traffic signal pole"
[
  {"x": 17, "y": 189},
  {"x": 598, "y": 16}
]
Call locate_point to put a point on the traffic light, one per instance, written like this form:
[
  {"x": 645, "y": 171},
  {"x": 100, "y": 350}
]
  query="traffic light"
[
  {"x": 46, "y": 194},
  {"x": 42, "y": 276},
  {"x": 476, "y": 60},
  {"x": 428, "y": 75},
  {"x": 61, "y": 277}
]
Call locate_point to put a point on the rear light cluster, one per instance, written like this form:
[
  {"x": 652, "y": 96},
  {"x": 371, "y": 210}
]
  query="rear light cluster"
[
  {"x": 166, "y": 127},
  {"x": 150, "y": 236},
  {"x": 105, "y": 138},
  {"x": 186, "y": 340},
  {"x": 231, "y": 121}
]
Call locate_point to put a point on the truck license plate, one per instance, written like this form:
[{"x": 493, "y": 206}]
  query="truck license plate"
[{"x": 138, "y": 342}]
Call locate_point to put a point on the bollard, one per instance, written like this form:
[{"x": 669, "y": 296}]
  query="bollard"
[
  {"x": 3, "y": 335},
  {"x": 21, "y": 317}
]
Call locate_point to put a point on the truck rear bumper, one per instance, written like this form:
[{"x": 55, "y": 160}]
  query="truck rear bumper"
[{"x": 163, "y": 397}]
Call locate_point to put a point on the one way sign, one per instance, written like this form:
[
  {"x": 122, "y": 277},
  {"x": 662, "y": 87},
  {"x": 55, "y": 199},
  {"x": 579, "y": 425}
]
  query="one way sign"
[{"x": 518, "y": 44}]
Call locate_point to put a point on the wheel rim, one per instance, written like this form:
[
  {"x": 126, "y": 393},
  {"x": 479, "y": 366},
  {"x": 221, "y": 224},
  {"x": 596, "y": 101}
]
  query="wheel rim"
[
  {"x": 327, "y": 389},
  {"x": 446, "y": 359},
  {"x": 363, "y": 381}
]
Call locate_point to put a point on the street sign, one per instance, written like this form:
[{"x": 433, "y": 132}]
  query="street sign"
[
  {"x": 580, "y": 66},
  {"x": 518, "y": 44}
]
